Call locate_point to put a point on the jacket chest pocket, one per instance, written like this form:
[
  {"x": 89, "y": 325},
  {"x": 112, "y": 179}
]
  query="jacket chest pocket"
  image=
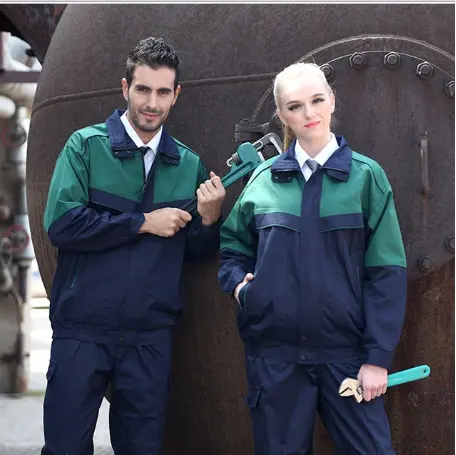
[
  {"x": 344, "y": 234},
  {"x": 278, "y": 239}
]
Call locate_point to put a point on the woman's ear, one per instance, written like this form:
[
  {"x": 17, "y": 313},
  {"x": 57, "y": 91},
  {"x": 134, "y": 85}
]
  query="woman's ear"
[
  {"x": 281, "y": 117},
  {"x": 333, "y": 103}
]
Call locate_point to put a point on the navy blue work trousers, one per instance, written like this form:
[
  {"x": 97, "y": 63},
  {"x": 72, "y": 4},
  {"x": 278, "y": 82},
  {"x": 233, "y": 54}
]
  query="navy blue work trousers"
[
  {"x": 284, "y": 398},
  {"x": 78, "y": 375}
]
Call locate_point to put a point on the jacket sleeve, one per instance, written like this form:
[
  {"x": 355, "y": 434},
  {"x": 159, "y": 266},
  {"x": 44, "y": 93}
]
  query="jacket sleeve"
[
  {"x": 385, "y": 283},
  {"x": 70, "y": 224},
  {"x": 202, "y": 241},
  {"x": 238, "y": 248}
]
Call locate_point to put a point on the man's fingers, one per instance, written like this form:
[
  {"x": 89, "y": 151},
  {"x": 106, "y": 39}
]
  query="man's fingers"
[
  {"x": 205, "y": 190},
  {"x": 216, "y": 181},
  {"x": 180, "y": 224},
  {"x": 183, "y": 215}
]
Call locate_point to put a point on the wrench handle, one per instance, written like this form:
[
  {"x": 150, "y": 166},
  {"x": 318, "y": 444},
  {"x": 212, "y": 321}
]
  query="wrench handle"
[{"x": 413, "y": 374}]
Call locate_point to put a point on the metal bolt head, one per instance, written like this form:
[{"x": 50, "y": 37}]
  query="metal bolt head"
[
  {"x": 426, "y": 264},
  {"x": 357, "y": 60},
  {"x": 392, "y": 60},
  {"x": 449, "y": 89},
  {"x": 450, "y": 243},
  {"x": 424, "y": 70},
  {"x": 328, "y": 71}
]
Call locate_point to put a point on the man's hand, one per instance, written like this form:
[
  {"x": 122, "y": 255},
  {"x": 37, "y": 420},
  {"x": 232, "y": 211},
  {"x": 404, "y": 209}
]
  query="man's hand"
[
  {"x": 165, "y": 222},
  {"x": 247, "y": 278},
  {"x": 374, "y": 381},
  {"x": 210, "y": 195}
]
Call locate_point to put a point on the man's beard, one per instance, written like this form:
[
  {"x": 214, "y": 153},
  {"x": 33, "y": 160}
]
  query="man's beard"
[
  {"x": 134, "y": 117},
  {"x": 146, "y": 128}
]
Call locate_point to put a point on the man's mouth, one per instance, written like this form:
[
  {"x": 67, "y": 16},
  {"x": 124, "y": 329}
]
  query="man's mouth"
[{"x": 151, "y": 115}]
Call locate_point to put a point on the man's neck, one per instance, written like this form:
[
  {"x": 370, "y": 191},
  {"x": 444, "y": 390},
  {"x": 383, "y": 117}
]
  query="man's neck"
[{"x": 145, "y": 136}]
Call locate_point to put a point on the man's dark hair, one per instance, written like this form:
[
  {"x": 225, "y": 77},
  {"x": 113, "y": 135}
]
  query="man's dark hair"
[{"x": 153, "y": 52}]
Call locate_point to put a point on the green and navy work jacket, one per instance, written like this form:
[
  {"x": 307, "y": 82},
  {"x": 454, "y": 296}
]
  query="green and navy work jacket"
[
  {"x": 327, "y": 257},
  {"x": 112, "y": 282}
]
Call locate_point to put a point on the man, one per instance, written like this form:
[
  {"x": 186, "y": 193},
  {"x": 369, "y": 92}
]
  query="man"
[{"x": 113, "y": 213}]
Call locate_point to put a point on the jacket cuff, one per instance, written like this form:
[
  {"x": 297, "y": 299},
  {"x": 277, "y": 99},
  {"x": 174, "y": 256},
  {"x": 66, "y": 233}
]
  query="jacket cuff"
[
  {"x": 137, "y": 220},
  {"x": 380, "y": 358}
]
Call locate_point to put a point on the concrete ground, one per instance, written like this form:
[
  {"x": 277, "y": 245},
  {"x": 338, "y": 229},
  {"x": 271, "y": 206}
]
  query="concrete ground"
[{"x": 21, "y": 418}]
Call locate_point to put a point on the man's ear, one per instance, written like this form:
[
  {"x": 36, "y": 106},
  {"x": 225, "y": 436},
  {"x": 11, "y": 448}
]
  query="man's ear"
[
  {"x": 125, "y": 89},
  {"x": 176, "y": 94}
]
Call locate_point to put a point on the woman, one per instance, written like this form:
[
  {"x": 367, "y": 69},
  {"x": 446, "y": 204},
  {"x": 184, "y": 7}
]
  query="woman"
[{"x": 313, "y": 253}]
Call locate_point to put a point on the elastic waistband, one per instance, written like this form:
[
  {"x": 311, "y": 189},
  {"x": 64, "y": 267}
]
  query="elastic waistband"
[
  {"x": 109, "y": 335},
  {"x": 305, "y": 355}
]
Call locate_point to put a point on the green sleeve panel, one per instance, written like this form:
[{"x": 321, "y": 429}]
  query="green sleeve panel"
[{"x": 385, "y": 247}]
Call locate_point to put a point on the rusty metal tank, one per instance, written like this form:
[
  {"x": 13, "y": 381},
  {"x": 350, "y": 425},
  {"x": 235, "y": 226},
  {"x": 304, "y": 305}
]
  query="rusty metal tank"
[{"x": 393, "y": 72}]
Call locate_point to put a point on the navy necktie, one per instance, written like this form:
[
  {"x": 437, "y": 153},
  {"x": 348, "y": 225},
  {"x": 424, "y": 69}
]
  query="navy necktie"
[
  {"x": 144, "y": 150},
  {"x": 313, "y": 165}
]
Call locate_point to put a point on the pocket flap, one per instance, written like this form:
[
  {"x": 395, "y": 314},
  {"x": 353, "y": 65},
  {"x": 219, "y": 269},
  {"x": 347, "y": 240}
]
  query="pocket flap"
[
  {"x": 253, "y": 396},
  {"x": 345, "y": 221},
  {"x": 51, "y": 369},
  {"x": 278, "y": 219}
]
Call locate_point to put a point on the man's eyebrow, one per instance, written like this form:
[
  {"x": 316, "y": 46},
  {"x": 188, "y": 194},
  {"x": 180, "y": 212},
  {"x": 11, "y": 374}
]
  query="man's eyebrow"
[{"x": 146, "y": 87}]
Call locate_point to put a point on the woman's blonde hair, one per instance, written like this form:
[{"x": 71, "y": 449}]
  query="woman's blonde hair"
[{"x": 289, "y": 74}]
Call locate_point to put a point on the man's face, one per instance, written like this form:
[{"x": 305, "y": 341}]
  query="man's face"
[{"x": 150, "y": 97}]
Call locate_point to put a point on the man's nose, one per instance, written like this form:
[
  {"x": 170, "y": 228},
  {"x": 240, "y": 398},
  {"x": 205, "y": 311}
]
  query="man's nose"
[{"x": 152, "y": 101}]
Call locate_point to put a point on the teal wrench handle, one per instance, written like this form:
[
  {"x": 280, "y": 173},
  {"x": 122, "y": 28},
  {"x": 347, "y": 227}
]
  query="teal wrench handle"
[{"x": 413, "y": 374}]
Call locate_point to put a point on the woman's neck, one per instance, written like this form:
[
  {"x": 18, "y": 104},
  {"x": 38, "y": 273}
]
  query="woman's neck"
[{"x": 315, "y": 146}]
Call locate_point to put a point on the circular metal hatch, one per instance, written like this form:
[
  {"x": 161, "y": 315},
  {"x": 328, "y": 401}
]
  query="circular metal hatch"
[{"x": 395, "y": 104}]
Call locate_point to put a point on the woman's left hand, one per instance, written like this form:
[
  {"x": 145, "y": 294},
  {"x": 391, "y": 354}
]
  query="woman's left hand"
[{"x": 374, "y": 381}]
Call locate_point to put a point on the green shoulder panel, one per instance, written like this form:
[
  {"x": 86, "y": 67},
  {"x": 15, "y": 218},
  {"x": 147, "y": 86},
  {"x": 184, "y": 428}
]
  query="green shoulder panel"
[
  {"x": 176, "y": 183},
  {"x": 261, "y": 195}
]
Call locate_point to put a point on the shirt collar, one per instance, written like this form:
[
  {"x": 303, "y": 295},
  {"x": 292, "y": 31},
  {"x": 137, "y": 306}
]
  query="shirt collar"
[
  {"x": 323, "y": 155},
  {"x": 152, "y": 144}
]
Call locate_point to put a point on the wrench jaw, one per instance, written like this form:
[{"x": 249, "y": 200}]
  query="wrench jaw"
[{"x": 349, "y": 387}]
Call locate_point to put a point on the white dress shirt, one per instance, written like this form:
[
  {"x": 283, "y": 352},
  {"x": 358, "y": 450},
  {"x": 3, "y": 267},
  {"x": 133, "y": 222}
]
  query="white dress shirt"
[
  {"x": 321, "y": 158},
  {"x": 152, "y": 144}
]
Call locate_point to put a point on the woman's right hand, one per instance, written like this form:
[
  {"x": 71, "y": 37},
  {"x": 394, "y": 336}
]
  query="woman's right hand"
[{"x": 247, "y": 278}]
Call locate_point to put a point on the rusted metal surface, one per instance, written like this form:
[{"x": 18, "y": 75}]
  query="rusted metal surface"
[
  {"x": 34, "y": 23},
  {"x": 384, "y": 112},
  {"x": 404, "y": 122}
]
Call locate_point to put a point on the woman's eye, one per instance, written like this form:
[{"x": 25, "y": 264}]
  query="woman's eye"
[
  {"x": 318, "y": 100},
  {"x": 293, "y": 107}
]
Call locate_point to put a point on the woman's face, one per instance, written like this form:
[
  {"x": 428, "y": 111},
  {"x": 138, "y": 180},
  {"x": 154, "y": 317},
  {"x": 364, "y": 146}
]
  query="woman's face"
[{"x": 306, "y": 107}]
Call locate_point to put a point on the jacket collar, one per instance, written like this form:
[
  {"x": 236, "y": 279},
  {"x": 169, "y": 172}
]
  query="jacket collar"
[
  {"x": 338, "y": 165},
  {"x": 123, "y": 147}
]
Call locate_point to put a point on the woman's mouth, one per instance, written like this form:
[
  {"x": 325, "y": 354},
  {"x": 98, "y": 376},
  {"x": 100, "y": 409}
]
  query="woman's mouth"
[{"x": 311, "y": 124}]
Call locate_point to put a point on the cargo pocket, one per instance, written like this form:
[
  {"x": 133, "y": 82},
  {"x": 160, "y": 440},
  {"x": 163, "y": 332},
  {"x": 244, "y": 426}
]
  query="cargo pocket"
[
  {"x": 51, "y": 369},
  {"x": 253, "y": 396}
]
